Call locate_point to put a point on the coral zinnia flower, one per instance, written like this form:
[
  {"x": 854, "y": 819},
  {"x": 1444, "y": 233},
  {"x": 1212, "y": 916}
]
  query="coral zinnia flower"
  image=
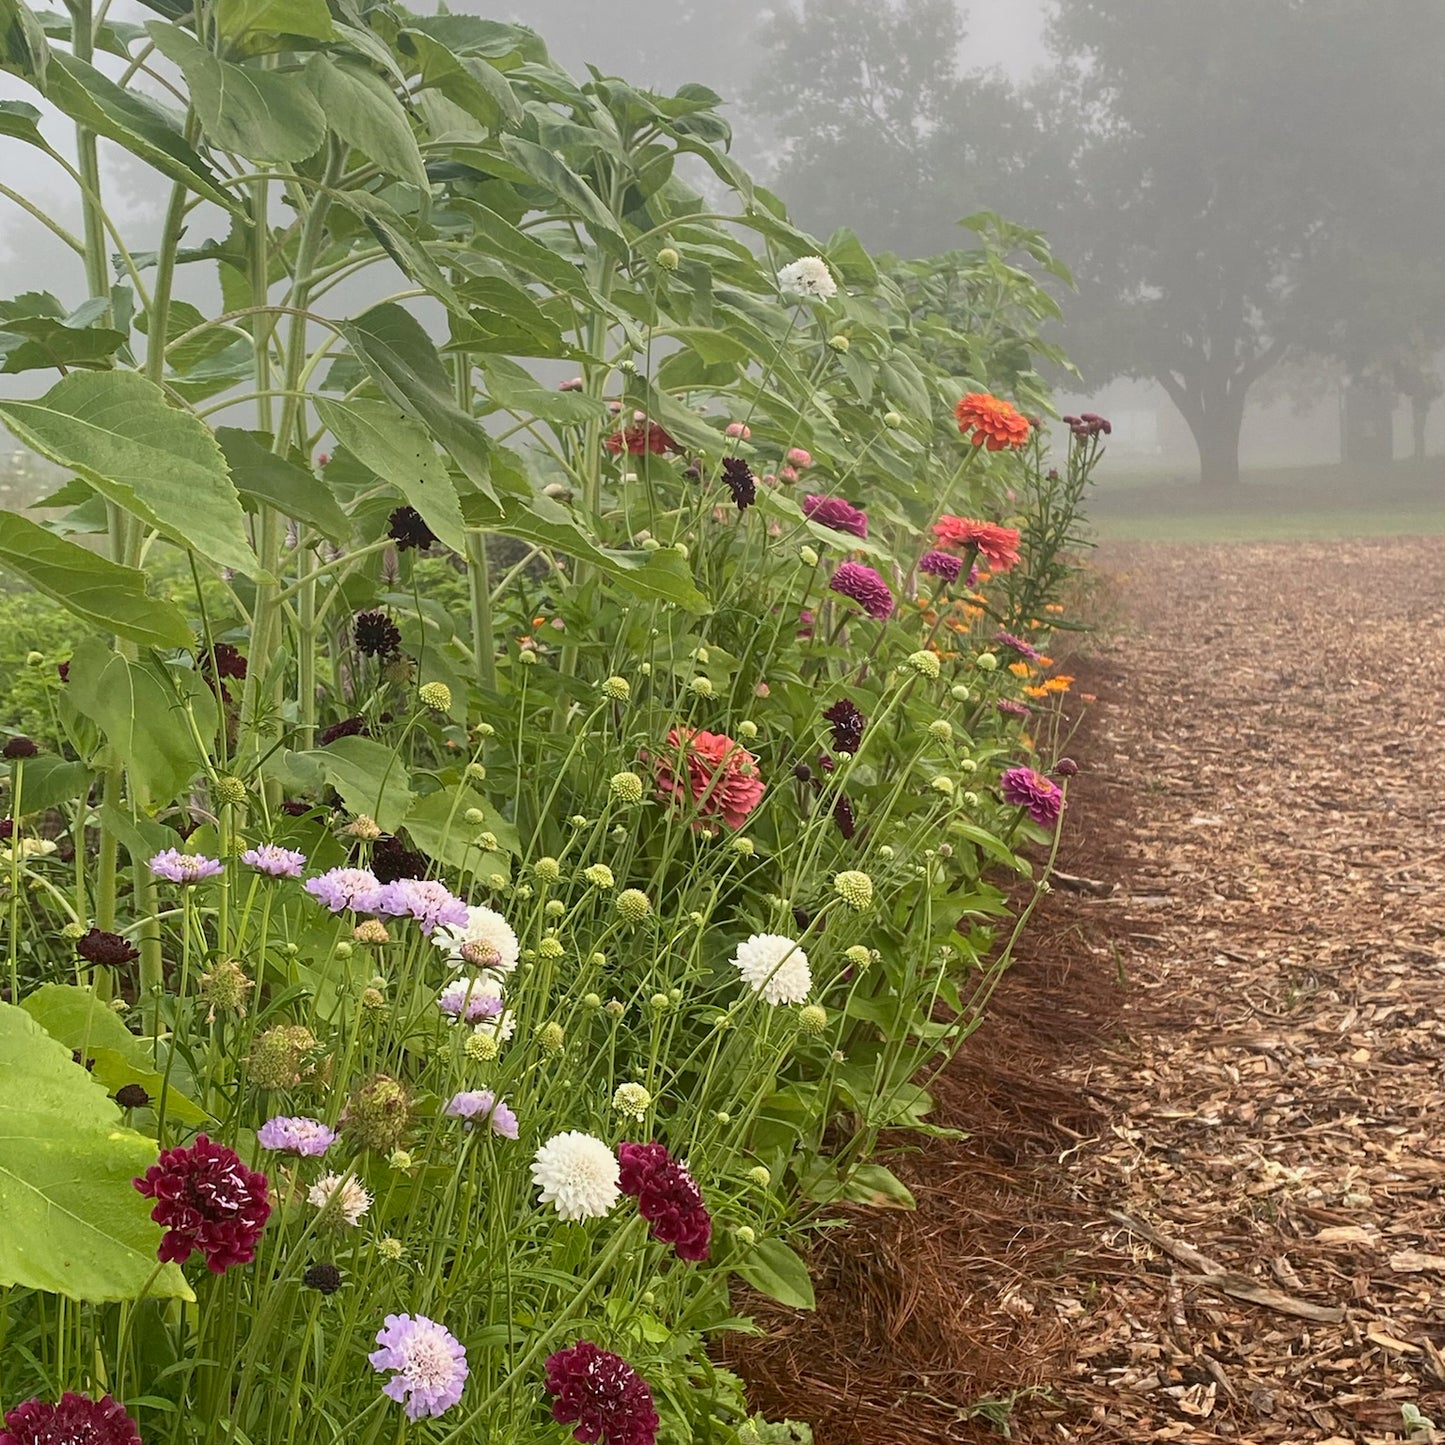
[
  {"x": 721, "y": 776},
  {"x": 637, "y": 440},
  {"x": 998, "y": 546},
  {"x": 989, "y": 421}
]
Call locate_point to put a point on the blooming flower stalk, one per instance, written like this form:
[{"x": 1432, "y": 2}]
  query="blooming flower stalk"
[{"x": 207, "y": 1200}]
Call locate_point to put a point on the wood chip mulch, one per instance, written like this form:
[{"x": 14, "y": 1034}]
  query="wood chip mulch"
[{"x": 1203, "y": 1193}]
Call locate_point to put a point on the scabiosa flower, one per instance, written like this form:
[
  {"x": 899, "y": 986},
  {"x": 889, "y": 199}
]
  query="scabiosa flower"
[
  {"x": 181, "y": 867},
  {"x": 602, "y": 1395},
  {"x": 633, "y": 1100},
  {"x": 111, "y": 949},
  {"x": 340, "y": 1198},
  {"x": 998, "y": 546},
  {"x": 638, "y": 440},
  {"x": 429, "y": 902},
  {"x": 132, "y": 1096},
  {"x": 377, "y": 1114},
  {"x": 323, "y": 1277},
  {"x": 376, "y": 634},
  {"x": 1041, "y": 797},
  {"x": 348, "y": 727},
  {"x": 990, "y": 421},
  {"x": 943, "y": 565},
  {"x": 483, "y": 939},
  {"x": 207, "y": 1200},
  {"x": 470, "y": 1000},
  {"x": 428, "y": 1365},
  {"x": 274, "y": 861},
  {"x": 865, "y": 587},
  {"x": 406, "y": 528},
  {"x": 392, "y": 859},
  {"x": 834, "y": 512},
  {"x": 808, "y": 276},
  {"x": 667, "y": 1198},
  {"x": 847, "y": 723},
  {"x": 774, "y": 967},
  {"x": 295, "y": 1134},
  {"x": 854, "y": 888},
  {"x": 577, "y": 1175},
  {"x": 843, "y": 817},
  {"x": 477, "y": 1106},
  {"x": 18, "y": 748},
  {"x": 738, "y": 430},
  {"x": 740, "y": 482},
  {"x": 799, "y": 457},
  {"x": 1024, "y": 649},
  {"x": 341, "y": 888},
  {"x": 74, "y": 1420},
  {"x": 718, "y": 775}
]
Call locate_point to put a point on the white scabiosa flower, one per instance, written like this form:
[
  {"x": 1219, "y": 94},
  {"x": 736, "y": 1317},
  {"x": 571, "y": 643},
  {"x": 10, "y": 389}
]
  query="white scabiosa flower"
[
  {"x": 774, "y": 967},
  {"x": 633, "y": 1100},
  {"x": 340, "y": 1198},
  {"x": 808, "y": 276},
  {"x": 577, "y": 1175},
  {"x": 485, "y": 941}
]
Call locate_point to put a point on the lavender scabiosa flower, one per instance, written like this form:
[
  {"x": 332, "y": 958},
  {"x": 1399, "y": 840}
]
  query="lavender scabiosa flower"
[
  {"x": 341, "y": 888},
  {"x": 428, "y": 1365},
  {"x": 470, "y": 1000},
  {"x": 865, "y": 587},
  {"x": 181, "y": 867},
  {"x": 295, "y": 1134},
  {"x": 274, "y": 861},
  {"x": 943, "y": 565},
  {"x": 477, "y": 1106},
  {"x": 836, "y": 513},
  {"x": 429, "y": 902},
  {"x": 1039, "y": 796}
]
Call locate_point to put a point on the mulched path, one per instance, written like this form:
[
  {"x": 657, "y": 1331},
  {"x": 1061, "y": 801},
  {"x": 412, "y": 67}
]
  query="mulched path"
[{"x": 1203, "y": 1196}]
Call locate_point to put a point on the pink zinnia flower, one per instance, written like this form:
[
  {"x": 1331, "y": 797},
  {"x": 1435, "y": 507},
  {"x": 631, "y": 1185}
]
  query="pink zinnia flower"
[
  {"x": 718, "y": 775},
  {"x": 1040, "y": 796},
  {"x": 602, "y": 1395},
  {"x": 865, "y": 587},
  {"x": 667, "y": 1198},
  {"x": 207, "y": 1200},
  {"x": 943, "y": 565},
  {"x": 834, "y": 512},
  {"x": 74, "y": 1420}
]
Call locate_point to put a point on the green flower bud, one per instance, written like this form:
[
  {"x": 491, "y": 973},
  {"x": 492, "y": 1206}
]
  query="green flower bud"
[
  {"x": 959, "y": 693},
  {"x": 702, "y": 687},
  {"x": 747, "y": 730},
  {"x": 625, "y": 788},
  {"x": 941, "y": 729},
  {"x": 812, "y": 1020},
  {"x": 551, "y": 1038},
  {"x": 550, "y": 948},
  {"x": 634, "y": 905},
  {"x": 668, "y": 258},
  {"x": 482, "y": 1046},
  {"x": 942, "y": 784},
  {"x": 859, "y": 956},
  {"x": 760, "y": 1175},
  {"x": 617, "y": 688},
  {"x": 892, "y": 420},
  {"x": 925, "y": 664},
  {"x": 599, "y": 875},
  {"x": 436, "y": 695},
  {"x": 474, "y": 816},
  {"x": 229, "y": 790},
  {"x": 547, "y": 870},
  {"x": 807, "y": 556},
  {"x": 854, "y": 888},
  {"x": 632, "y": 1100},
  {"x": 838, "y": 343},
  {"x": 986, "y": 662}
]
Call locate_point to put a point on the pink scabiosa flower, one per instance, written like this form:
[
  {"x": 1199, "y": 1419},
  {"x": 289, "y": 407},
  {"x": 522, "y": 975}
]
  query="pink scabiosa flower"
[
  {"x": 602, "y": 1396},
  {"x": 274, "y": 861},
  {"x": 799, "y": 457},
  {"x": 481, "y": 1106},
  {"x": 667, "y": 1198},
  {"x": 717, "y": 775},
  {"x": 207, "y": 1200},
  {"x": 470, "y": 1000},
  {"x": 836, "y": 513},
  {"x": 865, "y": 587},
  {"x": 181, "y": 867},
  {"x": 431, "y": 903},
  {"x": 340, "y": 889},
  {"x": 738, "y": 430},
  {"x": 295, "y": 1134},
  {"x": 1041, "y": 797},
  {"x": 943, "y": 565},
  {"x": 73, "y": 1420},
  {"x": 428, "y": 1365}
]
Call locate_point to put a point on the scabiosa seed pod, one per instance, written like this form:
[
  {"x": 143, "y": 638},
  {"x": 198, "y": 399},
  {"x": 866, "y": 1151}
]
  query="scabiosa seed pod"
[
  {"x": 376, "y": 635},
  {"x": 377, "y": 1114},
  {"x": 278, "y": 1056},
  {"x": 324, "y": 1278},
  {"x": 73, "y": 1420},
  {"x": 109, "y": 949},
  {"x": 406, "y": 528},
  {"x": 633, "y": 905},
  {"x": 18, "y": 748},
  {"x": 206, "y": 1200},
  {"x": 667, "y": 1198},
  {"x": 226, "y": 988}
]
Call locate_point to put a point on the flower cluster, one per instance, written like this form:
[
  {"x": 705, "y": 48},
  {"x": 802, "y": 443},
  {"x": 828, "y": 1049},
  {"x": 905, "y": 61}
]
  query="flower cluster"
[{"x": 602, "y": 1395}]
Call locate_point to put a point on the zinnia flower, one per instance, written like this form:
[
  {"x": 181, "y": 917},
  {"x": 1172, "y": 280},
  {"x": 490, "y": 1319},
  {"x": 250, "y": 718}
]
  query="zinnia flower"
[
  {"x": 808, "y": 276},
  {"x": 1040, "y": 796},
  {"x": 429, "y": 902},
  {"x": 181, "y": 867},
  {"x": 941, "y": 564},
  {"x": 97, "y": 946},
  {"x": 207, "y": 1200},
  {"x": 484, "y": 940},
  {"x": 847, "y": 723},
  {"x": 865, "y": 587},
  {"x": 719, "y": 776},
  {"x": 477, "y": 1106},
  {"x": 1024, "y": 649},
  {"x": 376, "y": 634},
  {"x": 638, "y": 439},
  {"x": 428, "y": 1365},
  {"x": 341, "y": 888},
  {"x": 998, "y": 546},
  {"x": 602, "y": 1395},
  {"x": 834, "y": 512},
  {"x": 274, "y": 861},
  {"x": 471, "y": 999},
  {"x": 774, "y": 967},
  {"x": 1012, "y": 708},
  {"x": 989, "y": 421},
  {"x": 576, "y": 1174},
  {"x": 340, "y": 1198},
  {"x": 667, "y": 1198},
  {"x": 740, "y": 482},
  {"x": 406, "y": 528},
  {"x": 75, "y": 1420},
  {"x": 295, "y": 1134}
]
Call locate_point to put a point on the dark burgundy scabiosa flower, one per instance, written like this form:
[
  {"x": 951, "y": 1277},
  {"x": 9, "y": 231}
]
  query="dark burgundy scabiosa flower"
[
  {"x": 7, "y": 829},
  {"x": 843, "y": 817},
  {"x": 740, "y": 482},
  {"x": 602, "y": 1395},
  {"x": 74, "y": 1420},
  {"x": 295, "y": 808},
  {"x": 1066, "y": 768},
  {"x": 132, "y": 1096},
  {"x": 348, "y": 727},
  {"x": 834, "y": 512},
  {"x": 1042, "y": 798},
  {"x": 376, "y": 634},
  {"x": 667, "y": 1198},
  {"x": 224, "y": 661},
  {"x": 391, "y": 860},
  {"x": 847, "y": 723},
  {"x": 19, "y": 747},
  {"x": 324, "y": 1278},
  {"x": 407, "y": 528},
  {"x": 207, "y": 1200},
  {"x": 865, "y": 587},
  {"x": 97, "y": 946},
  {"x": 943, "y": 565},
  {"x": 1018, "y": 645},
  {"x": 62, "y": 670}
]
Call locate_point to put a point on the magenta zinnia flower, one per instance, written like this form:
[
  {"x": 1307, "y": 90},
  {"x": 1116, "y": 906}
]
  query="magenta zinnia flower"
[
  {"x": 295, "y": 1134},
  {"x": 1042, "y": 798},
  {"x": 181, "y": 867},
  {"x": 865, "y": 587},
  {"x": 602, "y": 1395},
  {"x": 431, "y": 903},
  {"x": 342, "y": 888},
  {"x": 75, "y": 1420},
  {"x": 943, "y": 565},
  {"x": 1012, "y": 708},
  {"x": 207, "y": 1200},
  {"x": 1024, "y": 649},
  {"x": 477, "y": 1106},
  {"x": 667, "y": 1198},
  {"x": 428, "y": 1362},
  {"x": 834, "y": 512},
  {"x": 274, "y": 861}
]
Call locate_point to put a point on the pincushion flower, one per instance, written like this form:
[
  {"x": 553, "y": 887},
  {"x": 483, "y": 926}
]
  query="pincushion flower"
[
  {"x": 943, "y": 565},
  {"x": 428, "y": 1365},
  {"x": 602, "y": 1396},
  {"x": 274, "y": 861},
  {"x": 774, "y": 967},
  {"x": 376, "y": 635},
  {"x": 865, "y": 587},
  {"x": 998, "y": 546},
  {"x": 340, "y": 1198},
  {"x": 847, "y": 723},
  {"x": 484, "y": 939},
  {"x": 481, "y": 1106},
  {"x": 181, "y": 867},
  {"x": 470, "y": 1000},
  {"x": 429, "y": 902},
  {"x": 73, "y": 1420},
  {"x": 717, "y": 775},
  {"x": 295, "y": 1134},
  {"x": 98, "y": 946},
  {"x": 808, "y": 276},
  {"x": 407, "y": 529},
  {"x": 990, "y": 421},
  {"x": 836, "y": 513},
  {"x": 577, "y": 1175},
  {"x": 1041, "y": 797},
  {"x": 206, "y": 1200},
  {"x": 740, "y": 482},
  {"x": 667, "y": 1198},
  {"x": 341, "y": 888}
]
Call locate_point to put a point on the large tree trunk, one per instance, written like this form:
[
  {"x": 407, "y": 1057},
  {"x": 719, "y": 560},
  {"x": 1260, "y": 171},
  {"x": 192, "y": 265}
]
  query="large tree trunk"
[
  {"x": 1214, "y": 411},
  {"x": 1368, "y": 433},
  {"x": 1419, "y": 415}
]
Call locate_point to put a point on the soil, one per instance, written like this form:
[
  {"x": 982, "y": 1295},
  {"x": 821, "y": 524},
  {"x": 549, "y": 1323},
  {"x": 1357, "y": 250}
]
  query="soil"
[{"x": 1201, "y": 1197}]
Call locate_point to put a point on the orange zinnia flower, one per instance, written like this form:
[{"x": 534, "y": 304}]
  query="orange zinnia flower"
[
  {"x": 1036, "y": 691},
  {"x": 1020, "y": 669},
  {"x": 998, "y": 546},
  {"x": 1055, "y": 608},
  {"x": 988, "y": 421},
  {"x": 1059, "y": 684}
]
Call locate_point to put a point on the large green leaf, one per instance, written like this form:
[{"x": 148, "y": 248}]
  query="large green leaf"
[
  {"x": 778, "y": 1272},
  {"x": 369, "y": 779},
  {"x": 263, "y": 477},
  {"x": 362, "y": 109},
  {"x": 437, "y": 825},
  {"x": 513, "y": 387},
  {"x": 551, "y": 172},
  {"x": 469, "y": 81},
  {"x": 110, "y": 596},
  {"x": 240, "y": 21},
  {"x": 34, "y": 343},
  {"x": 118, "y": 431},
  {"x": 74, "y": 1223},
  {"x": 401, "y": 244}
]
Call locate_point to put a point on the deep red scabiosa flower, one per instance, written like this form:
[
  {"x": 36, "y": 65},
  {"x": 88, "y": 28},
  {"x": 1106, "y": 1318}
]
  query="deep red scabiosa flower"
[
  {"x": 376, "y": 634},
  {"x": 97, "y": 946},
  {"x": 740, "y": 482},
  {"x": 640, "y": 438},
  {"x": 667, "y": 1198},
  {"x": 943, "y": 565},
  {"x": 407, "y": 528},
  {"x": 207, "y": 1200},
  {"x": 348, "y": 727},
  {"x": 19, "y": 747},
  {"x": 998, "y": 546},
  {"x": 843, "y": 817},
  {"x": 602, "y": 1395},
  {"x": 224, "y": 661},
  {"x": 1041, "y": 797},
  {"x": 391, "y": 860},
  {"x": 74, "y": 1420},
  {"x": 834, "y": 512},
  {"x": 990, "y": 421},
  {"x": 1066, "y": 768},
  {"x": 709, "y": 770},
  {"x": 865, "y": 587},
  {"x": 847, "y": 723}
]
